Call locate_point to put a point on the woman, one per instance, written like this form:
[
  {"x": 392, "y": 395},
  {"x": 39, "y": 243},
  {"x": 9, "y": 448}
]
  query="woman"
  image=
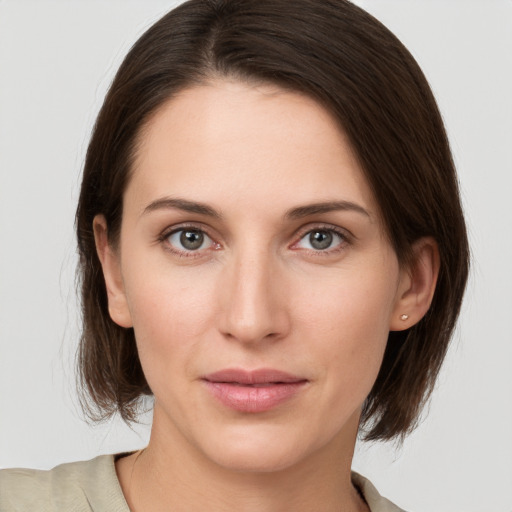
[{"x": 272, "y": 245}]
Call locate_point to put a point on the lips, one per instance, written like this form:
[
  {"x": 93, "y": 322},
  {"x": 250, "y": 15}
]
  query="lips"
[{"x": 253, "y": 391}]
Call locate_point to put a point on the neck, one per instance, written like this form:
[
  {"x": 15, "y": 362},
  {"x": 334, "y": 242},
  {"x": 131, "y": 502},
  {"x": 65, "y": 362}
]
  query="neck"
[{"x": 173, "y": 475}]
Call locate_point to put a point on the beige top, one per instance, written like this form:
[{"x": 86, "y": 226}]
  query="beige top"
[{"x": 92, "y": 486}]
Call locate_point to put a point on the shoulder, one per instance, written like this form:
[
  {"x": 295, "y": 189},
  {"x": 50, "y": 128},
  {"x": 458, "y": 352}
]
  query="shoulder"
[
  {"x": 88, "y": 486},
  {"x": 375, "y": 501}
]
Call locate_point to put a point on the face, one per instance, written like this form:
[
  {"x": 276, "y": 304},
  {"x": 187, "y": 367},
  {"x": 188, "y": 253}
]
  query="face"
[{"x": 255, "y": 271}]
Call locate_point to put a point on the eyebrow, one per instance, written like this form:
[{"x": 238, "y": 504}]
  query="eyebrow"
[
  {"x": 298, "y": 212},
  {"x": 167, "y": 203},
  {"x": 325, "y": 207}
]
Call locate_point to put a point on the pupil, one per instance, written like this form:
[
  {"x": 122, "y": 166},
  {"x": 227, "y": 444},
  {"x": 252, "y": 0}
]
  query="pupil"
[
  {"x": 320, "y": 239},
  {"x": 191, "y": 239}
]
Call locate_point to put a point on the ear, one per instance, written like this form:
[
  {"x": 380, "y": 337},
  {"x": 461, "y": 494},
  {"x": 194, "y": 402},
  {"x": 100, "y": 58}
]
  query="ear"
[
  {"x": 110, "y": 263},
  {"x": 417, "y": 285}
]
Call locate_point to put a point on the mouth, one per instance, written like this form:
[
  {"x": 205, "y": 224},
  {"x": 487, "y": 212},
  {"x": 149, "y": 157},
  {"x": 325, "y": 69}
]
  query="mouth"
[{"x": 253, "y": 391}]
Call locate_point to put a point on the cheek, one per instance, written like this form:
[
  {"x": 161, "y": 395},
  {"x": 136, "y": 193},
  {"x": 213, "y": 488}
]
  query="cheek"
[
  {"x": 346, "y": 327},
  {"x": 171, "y": 314},
  {"x": 354, "y": 305}
]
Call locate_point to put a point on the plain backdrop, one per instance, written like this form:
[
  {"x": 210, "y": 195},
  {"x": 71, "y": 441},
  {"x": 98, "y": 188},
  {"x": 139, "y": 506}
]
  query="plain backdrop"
[{"x": 57, "y": 59}]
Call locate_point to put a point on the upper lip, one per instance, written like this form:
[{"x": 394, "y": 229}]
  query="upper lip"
[{"x": 259, "y": 376}]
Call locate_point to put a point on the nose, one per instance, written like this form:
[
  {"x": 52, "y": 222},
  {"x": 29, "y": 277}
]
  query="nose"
[{"x": 253, "y": 299}]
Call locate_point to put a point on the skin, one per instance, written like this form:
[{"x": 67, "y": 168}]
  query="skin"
[{"x": 256, "y": 294}]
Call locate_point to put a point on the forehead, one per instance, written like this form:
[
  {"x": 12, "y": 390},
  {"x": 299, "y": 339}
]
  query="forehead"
[{"x": 230, "y": 140}]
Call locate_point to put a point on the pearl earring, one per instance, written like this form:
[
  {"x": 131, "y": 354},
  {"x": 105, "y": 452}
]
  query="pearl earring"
[{"x": 404, "y": 317}]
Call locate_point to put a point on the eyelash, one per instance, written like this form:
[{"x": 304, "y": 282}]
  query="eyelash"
[
  {"x": 164, "y": 239},
  {"x": 342, "y": 234}
]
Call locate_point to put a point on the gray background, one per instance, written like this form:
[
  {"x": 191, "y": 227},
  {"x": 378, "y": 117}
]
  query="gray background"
[{"x": 56, "y": 61}]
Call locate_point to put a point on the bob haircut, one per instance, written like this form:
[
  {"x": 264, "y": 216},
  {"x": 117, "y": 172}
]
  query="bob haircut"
[{"x": 339, "y": 55}]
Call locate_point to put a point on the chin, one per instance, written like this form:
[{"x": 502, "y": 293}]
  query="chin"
[
  {"x": 257, "y": 460},
  {"x": 259, "y": 450}
]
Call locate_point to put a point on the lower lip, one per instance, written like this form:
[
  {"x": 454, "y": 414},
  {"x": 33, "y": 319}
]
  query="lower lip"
[{"x": 253, "y": 399}]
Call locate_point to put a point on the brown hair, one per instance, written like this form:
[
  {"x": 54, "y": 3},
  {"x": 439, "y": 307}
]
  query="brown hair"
[{"x": 342, "y": 57}]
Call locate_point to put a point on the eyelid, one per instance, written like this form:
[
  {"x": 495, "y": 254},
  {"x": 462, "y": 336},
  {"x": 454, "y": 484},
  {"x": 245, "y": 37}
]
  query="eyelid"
[
  {"x": 170, "y": 230},
  {"x": 344, "y": 233},
  {"x": 346, "y": 236},
  {"x": 322, "y": 226}
]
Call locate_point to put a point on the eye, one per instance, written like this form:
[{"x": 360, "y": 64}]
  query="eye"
[
  {"x": 321, "y": 240},
  {"x": 188, "y": 240}
]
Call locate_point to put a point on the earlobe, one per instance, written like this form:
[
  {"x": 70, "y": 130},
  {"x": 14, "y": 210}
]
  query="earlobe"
[
  {"x": 110, "y": 264},
  {"x": 417, "y": 285}
]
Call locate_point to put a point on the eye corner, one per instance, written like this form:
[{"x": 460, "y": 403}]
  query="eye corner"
[
  {"x": 323, "y": 245},
  {"x": 188, "y": 241}
]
